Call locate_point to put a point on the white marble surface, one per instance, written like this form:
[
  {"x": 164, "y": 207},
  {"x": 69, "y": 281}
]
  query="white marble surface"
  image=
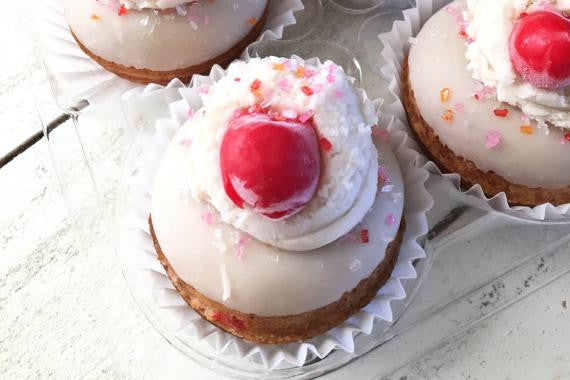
[{"x": 65, "y": 310}]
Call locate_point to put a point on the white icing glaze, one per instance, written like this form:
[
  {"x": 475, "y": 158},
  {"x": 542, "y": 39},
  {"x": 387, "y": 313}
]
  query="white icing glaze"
[
  {"x": 438, "y": 61},
  {"x": 266, "y": 281},
  {"x": 162, "y": 41},
  {"x": 349, "y": 171},
  {"x": 490, "y": 23}
]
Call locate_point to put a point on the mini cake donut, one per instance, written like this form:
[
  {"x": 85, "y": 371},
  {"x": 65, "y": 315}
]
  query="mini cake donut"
[
  {"x": 155, "y": 41},
  {"x": 275, "y": 212},
  {"x": 488, "y": 104}
]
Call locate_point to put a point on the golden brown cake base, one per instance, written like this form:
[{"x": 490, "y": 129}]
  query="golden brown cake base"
[
  {"x": 290, "y": 328},
  {"x": 146, "y": 76},
  {"x": 449, "y": 162}
]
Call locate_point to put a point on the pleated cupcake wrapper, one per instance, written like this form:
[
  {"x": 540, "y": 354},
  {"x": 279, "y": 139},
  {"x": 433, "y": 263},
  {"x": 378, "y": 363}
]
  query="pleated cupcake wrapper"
[
  {"x": 80, "y": 77},
  {"x": 139, "y": 245},
  {"x": 396, "y": 44}
]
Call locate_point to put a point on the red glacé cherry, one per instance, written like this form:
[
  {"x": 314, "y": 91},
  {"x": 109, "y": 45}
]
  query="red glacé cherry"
[
  {"x": 272, "y": 165},
  {"x": 540, "y": 49}
]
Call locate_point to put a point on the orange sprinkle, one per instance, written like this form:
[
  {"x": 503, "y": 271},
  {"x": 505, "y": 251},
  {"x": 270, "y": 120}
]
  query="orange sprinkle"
[
  {"x": 527, "y": 129},
  {"x": 447, "y": 115},
  {"x": 94, "y": 17},
  {"x": 252, "y": 21},
  {"x": 278, "y": 66},
  {"x": 300, "y": 72},
  {"x": 444, "y": 94}
]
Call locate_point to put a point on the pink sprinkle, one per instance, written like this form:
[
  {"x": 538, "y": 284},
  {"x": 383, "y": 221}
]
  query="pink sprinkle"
[
  {"x": 484, "y": 93},
  {"x": 285, "y": 85},
  {"x": 287, "y": 63},
  {"x": 459, "y": 107},
  {"x": 391, "y": 219},
  {"x": 383, "y": 174},
  {"x": 190, "y": 113},
  {"x": 377, "y": 131},
  {"x": 525, "y": 118},
  {"x": 318, "y": 88},
  {"x": 114, "y": 5},
  {"x": 187, "y": 143},
  {"x": 209, "y": 218},
  {"x": 332, "y": 68},
  {"x": 331, "y": 78},
  {"x": 339, "y": 94},
  {"x": 237, "y": 113},
  {"x": 306, "y": 116},
  {"x": 452, "y": 9},
  {"x": 204, "y": 89},
  {"x": 309, "y": 73},
  {"x": 289, "y": 114},
  {"x": 563, "y": 140},
  {"x": 269, "y": 94},
  {"x": 492, "y": 139},
  {"x": 459, "y": 18}
]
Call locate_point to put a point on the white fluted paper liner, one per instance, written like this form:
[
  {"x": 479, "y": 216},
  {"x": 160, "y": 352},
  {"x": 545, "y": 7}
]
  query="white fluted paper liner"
[
  {"x": 138, "y": 245},
  {"x": 79, "y": 77},
  {"x": 396, "y": 44}
]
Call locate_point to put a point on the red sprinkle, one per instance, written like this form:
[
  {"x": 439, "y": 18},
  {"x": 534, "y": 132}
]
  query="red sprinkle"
[
  {"x": 501, "y": 112},
  {"x": 567, "y": 136},
  {"x": 364, "y": 238},
  {"x": 307, "y": 90},
  {"x": 227, "y": 320},
  {"x": 325, "y": 144},
  {"x": 463, "y": 33},
  {"x": 122, "y": 10},
  {"x": 255, "y": 85},
  {"x": 237, "y": 79}
]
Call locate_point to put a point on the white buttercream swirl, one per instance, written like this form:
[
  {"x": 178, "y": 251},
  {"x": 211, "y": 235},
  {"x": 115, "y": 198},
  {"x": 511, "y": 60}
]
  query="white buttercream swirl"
[
  {"x": 349, "y": 177},
  {"x": 489, "y": 25}
]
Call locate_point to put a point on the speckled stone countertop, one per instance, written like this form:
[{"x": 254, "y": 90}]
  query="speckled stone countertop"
[{"x": 66, "y": 312}]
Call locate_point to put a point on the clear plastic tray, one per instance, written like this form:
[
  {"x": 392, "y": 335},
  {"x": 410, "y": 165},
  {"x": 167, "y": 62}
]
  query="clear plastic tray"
[{"x": 479, "y": 262}]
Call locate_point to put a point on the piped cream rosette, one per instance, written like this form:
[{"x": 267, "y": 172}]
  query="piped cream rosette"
[{"x": 349, "y": 177}]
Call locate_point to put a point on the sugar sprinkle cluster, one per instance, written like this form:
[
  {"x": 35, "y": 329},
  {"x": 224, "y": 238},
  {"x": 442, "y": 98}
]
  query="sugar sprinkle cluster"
[{"x": 192, "y": 11}]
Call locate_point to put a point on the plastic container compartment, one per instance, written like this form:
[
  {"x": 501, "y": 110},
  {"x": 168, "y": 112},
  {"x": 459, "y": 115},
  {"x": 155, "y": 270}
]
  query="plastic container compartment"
[{"x": 479, "y": 262}]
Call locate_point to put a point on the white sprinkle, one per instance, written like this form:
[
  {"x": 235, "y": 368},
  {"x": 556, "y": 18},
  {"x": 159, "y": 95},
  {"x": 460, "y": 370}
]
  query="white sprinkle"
[{"x": 355, "y": 265}]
